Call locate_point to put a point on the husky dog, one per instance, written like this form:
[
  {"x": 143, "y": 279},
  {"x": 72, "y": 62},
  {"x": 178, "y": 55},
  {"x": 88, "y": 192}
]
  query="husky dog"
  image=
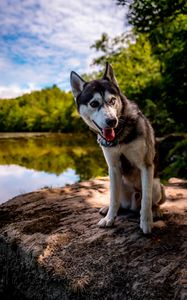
[{"x": 127, "y": 140}]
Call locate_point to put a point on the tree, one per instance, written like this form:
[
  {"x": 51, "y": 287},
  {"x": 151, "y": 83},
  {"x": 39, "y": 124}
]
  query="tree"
[
  {"x": 146, "y": 15},
  {"x": 48, "y": 110},
  {"x": 165, "y": 24}
]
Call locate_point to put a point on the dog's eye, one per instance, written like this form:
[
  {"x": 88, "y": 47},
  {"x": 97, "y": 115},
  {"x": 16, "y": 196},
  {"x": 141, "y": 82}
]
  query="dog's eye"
[
  {"x": 94, "y": 104},
  {"x": 112, "y": 101}
]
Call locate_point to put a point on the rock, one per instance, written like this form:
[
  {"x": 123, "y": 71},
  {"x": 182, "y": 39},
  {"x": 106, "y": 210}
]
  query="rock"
[{"x": 51, "y": 247}]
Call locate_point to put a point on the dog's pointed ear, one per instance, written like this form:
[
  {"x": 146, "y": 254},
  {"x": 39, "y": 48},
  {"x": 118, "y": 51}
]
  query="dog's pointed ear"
[
  {"x": 109, "y": 74},
  {"x": 77, "y": 83}
]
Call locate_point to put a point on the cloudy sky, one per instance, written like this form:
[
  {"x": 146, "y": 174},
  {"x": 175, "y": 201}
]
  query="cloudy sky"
[
  {"x": 41, "y": 41},
  {"x": 16, "y": 180}
]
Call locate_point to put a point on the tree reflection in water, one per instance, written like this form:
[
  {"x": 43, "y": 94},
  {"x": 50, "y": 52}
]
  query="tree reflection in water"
[{"x": 78, "y": 157}]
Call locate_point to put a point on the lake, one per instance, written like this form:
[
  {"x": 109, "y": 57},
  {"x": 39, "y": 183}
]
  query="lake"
[{"x": 33, "y": 161}]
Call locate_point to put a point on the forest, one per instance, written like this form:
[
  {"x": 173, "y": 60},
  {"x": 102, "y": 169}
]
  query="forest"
[
  {"x": 150, "y": 65},
  {"x": 40, "y": 111}
]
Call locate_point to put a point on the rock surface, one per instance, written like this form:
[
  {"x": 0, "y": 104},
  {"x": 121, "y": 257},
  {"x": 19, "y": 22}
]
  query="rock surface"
[{"x": 52, "y": 248}]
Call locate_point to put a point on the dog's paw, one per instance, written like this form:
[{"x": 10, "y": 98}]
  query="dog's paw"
[
  {"x": 146, "y": 225},
  {"x": 106, "y": 222},
  {"x": 104, "y": 210},
  {"x": 157, "y": 213}
]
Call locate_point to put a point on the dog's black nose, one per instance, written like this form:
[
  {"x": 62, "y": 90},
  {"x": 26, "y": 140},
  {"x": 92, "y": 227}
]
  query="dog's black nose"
[{"x": 111, "y": 122}]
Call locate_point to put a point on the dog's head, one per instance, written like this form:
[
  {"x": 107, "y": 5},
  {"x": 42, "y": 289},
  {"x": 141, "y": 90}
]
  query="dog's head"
[{"x": 99, "y": 102}]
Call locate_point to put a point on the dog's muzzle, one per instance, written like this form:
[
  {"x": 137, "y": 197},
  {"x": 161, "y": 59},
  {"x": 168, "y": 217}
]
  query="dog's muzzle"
[{"x": 107, "y": 133}]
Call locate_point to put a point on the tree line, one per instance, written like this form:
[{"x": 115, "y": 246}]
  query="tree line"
[{"x": 50, "y": 109}]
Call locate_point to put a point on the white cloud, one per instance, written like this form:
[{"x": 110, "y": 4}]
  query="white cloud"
[
  {"x": 12, "y": 91},
  {"x": 17, "y": 180},
  {"x": 42, "y": 38}
]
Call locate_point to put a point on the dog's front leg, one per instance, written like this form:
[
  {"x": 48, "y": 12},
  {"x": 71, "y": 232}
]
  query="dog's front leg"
[
  {"x": 146, "y": 218},
  {"x": 115, "y": 181}
]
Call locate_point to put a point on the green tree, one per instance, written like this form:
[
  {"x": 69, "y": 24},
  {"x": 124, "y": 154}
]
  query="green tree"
[
  {"x": 48, "y": 110},
  {"x": 165, "y": 24}
]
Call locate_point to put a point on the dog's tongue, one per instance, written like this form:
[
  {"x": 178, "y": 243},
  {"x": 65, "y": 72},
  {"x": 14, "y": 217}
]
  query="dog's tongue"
[{"x": 109, "y": 134}]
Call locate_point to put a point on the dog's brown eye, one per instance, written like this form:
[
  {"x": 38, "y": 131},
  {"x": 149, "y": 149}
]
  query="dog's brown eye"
[
  {"x": 112, "y": 101},
  {"x": 94, "y": 104}
]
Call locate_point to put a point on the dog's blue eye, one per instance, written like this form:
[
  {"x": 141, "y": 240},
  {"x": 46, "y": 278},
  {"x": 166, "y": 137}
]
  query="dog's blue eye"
[{"x": 94, "y": 104}]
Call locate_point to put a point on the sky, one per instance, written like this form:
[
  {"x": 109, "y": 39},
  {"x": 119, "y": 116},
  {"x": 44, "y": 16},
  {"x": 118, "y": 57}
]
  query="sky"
[{"x": 41, "y": 41}]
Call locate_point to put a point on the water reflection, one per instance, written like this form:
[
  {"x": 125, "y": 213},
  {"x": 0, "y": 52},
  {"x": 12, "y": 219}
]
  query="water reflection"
[
  {"x": 31, "y": 162},
  {"x": 16, "y": 180}
]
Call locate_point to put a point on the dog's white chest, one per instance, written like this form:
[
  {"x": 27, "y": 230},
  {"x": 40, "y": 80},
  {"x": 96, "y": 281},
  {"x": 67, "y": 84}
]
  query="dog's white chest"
[{"x": 134, "y": 152}]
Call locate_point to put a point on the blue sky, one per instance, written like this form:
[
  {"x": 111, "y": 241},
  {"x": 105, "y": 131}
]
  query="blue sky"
[{"x": 41, "y": 41}]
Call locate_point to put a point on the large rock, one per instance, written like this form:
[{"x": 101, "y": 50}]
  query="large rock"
[{"x": 52, "y": 248}]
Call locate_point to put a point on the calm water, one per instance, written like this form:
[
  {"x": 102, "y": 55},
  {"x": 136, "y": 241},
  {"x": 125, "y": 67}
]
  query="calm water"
[{"x": 30, "y": 162}]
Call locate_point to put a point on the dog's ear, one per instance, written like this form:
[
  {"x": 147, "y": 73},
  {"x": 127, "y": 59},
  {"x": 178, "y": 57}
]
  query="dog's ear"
[
  {"x": 77, "y": 83},
  {"x": 109, "y": 74}
]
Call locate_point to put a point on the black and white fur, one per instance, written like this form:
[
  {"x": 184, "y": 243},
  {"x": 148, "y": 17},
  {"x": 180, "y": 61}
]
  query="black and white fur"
[{"x": 131, "y": 158}]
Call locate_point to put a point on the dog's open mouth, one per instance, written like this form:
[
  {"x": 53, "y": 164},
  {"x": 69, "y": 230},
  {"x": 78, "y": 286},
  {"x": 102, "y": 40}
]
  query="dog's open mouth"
[{"x": 109, "y": 134}]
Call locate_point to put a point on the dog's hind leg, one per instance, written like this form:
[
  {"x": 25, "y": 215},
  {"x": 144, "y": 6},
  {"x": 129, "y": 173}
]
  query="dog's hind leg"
[
  {"x": 126, "y": 194},
  {"x": 159, "y": 197},
  {"x": 103, "y": 210},
  {"x": 129, "y": 199}
]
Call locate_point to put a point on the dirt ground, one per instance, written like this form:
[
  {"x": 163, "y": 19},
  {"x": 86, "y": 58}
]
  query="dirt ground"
[{"x": 52, "y": 248}]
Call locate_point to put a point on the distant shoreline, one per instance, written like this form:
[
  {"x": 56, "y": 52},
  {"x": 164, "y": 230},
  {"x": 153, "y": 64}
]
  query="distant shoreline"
[{"x": 7, "y": 135}]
